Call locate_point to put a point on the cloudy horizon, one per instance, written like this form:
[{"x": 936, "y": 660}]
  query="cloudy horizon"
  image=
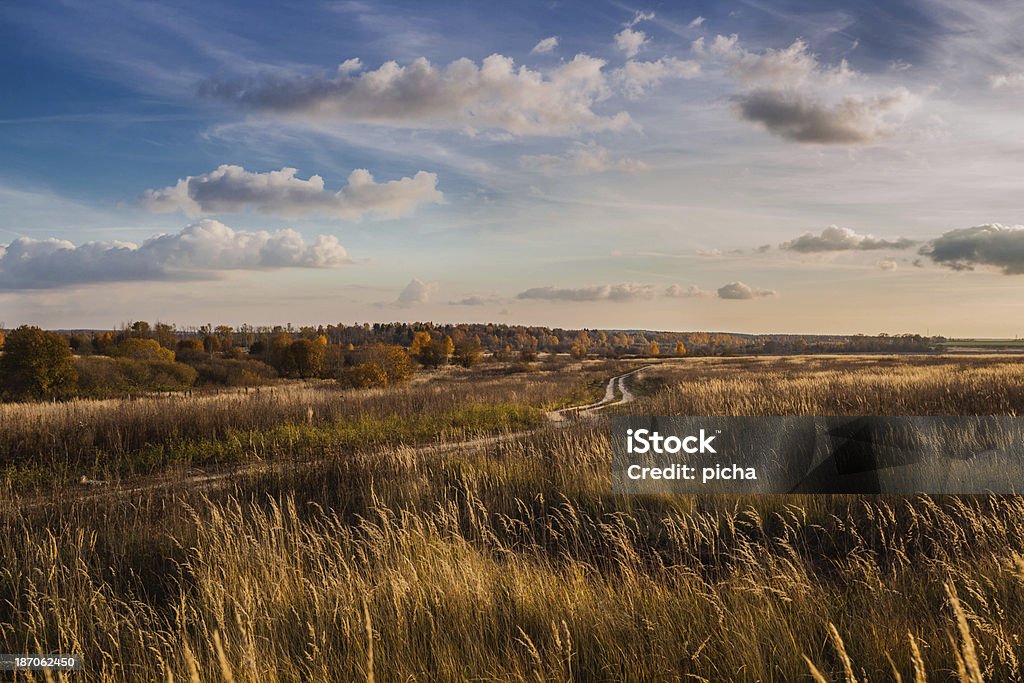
[{"x": 737, "y": 166}]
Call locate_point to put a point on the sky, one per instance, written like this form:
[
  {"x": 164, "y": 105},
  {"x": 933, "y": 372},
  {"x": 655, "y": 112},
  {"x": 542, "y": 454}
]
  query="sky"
[{"x": 743, "y": 165}]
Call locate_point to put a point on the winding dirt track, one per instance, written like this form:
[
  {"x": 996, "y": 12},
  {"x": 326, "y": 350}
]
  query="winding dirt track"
[{"x": 616, "y": 392}]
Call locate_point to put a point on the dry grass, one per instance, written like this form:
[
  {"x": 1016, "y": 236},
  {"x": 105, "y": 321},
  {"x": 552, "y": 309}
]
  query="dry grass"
[
  {"x": 513, "y": 562},
  {"x": 104, "y": 439}
]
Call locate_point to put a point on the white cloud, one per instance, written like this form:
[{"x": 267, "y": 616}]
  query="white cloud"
[
  {"x": 699, "y": 21},
  {"x": 616, "y": 293},
  {"x": 740, "y": 290},
  {"x": 416, "y": 293},
  {"x": 834, "y": 238},
  {"x": 636, "y": 77},
  {"x": 640, "y": 16},
  {"x": 1007, "y": 81},
  {"x": 888, "y": 264},
  {"x": 232, "y": 188},
  {"x": 197, "y": 252},
  {"x": 788, "y": 67},
  {"x": 583, "y": 159},
  {"x": 793, "y": 96},
  {"x": 545, "y": 46},
  {"x": 680, "y": 292},
  {"x": 494, "y": 95},
  {"x": 630, "y": 41}
]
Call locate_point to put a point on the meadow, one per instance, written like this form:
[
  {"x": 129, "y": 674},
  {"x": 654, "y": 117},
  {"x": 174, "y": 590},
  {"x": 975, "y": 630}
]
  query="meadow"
[{"x": 479, "y": 541}]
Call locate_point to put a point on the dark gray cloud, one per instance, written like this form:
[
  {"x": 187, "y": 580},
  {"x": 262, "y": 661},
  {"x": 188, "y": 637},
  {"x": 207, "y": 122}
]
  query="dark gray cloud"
[
  {"x": 740, "y": 290},
  {"x": 834, "y": 238},
  {"x": 616, "y": 293},
  {"x": 197, "y": 252},
  {"x": 794, "y": 96},
  {"x": 232, "y": 188},
  {"x": 797, "y": 117},
  {"x": 993, "y": 245}
]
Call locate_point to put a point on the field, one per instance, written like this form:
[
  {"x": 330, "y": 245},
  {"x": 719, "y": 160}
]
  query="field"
[{"x": 449, "y": 530}]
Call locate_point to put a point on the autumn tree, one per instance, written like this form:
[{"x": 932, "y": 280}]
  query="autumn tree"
[
  {"x": 680, "y": 349},
  {"x": 436, "y": 352},
  {"x": 308, "y": 357},
  {"x": 653, "y": 349},
  {"x": 468, "y": 351},
  {"x": 420, "y": 341},
  {"x": 37, "y": 365},
  {"x": 143, "y": 349},
  {"x": 165, "y": 335}
]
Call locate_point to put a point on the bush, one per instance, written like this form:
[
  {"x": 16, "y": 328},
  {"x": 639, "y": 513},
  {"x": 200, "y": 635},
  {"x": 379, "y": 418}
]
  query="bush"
[
  {"x": 100, "y": 377},
  {"x": 231, "y": 372},
  {"x": 362, "y": 376},
  {"x": 375, "y": 366}
]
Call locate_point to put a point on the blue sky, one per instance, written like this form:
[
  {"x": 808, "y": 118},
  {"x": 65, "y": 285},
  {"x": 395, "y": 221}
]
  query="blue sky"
[{"x": 750, "y": 166}]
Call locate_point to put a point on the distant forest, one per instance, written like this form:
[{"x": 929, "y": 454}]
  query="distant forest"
[{"x": 140, "y": 357}]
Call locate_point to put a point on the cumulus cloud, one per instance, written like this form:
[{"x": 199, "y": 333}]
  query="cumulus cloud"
[
  {"x": 795, "y": 97},
  {"x": 232, "y": 188},
  {"x": 637, "y": 77},
  {"x": 197, "y": 252},
  {"x": 834, "y": 238},
  {"x": 796, "y": 117},
  {"x": 545, "y": 46},
  {"x": 788, "y": 67},
  {"x": 616, "y": 293},
  {"x": 888, "y": 264},
  {"x": 630, "y": 41},
  {"x": 582, "y": 160},
  {"x": 494, "y": 95},
  {"x": 1007, "y": 81},
  {"x": 993, "y": 245},
  {"x": 740, "y": 290},
  {"x": 680, "y": 292},
  {"x": 416, "y": 293}
]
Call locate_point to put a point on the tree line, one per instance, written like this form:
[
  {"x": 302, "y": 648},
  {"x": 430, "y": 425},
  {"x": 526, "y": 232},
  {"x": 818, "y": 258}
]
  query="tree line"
[{"x": 38, "y": 364}]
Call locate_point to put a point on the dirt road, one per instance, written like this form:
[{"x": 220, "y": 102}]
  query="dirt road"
[{"x": 616, "y": 392}]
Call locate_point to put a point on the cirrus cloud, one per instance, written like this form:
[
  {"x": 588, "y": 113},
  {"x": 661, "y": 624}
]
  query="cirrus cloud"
[
  {"x": 198, "y": 252},
  {"x": 231, "y": 188},
  {"x": 583, "y": 159}
]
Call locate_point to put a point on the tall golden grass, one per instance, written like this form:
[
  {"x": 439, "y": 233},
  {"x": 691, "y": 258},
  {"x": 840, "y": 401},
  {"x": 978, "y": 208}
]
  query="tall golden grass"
[{"x": 511, "y": 560}]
